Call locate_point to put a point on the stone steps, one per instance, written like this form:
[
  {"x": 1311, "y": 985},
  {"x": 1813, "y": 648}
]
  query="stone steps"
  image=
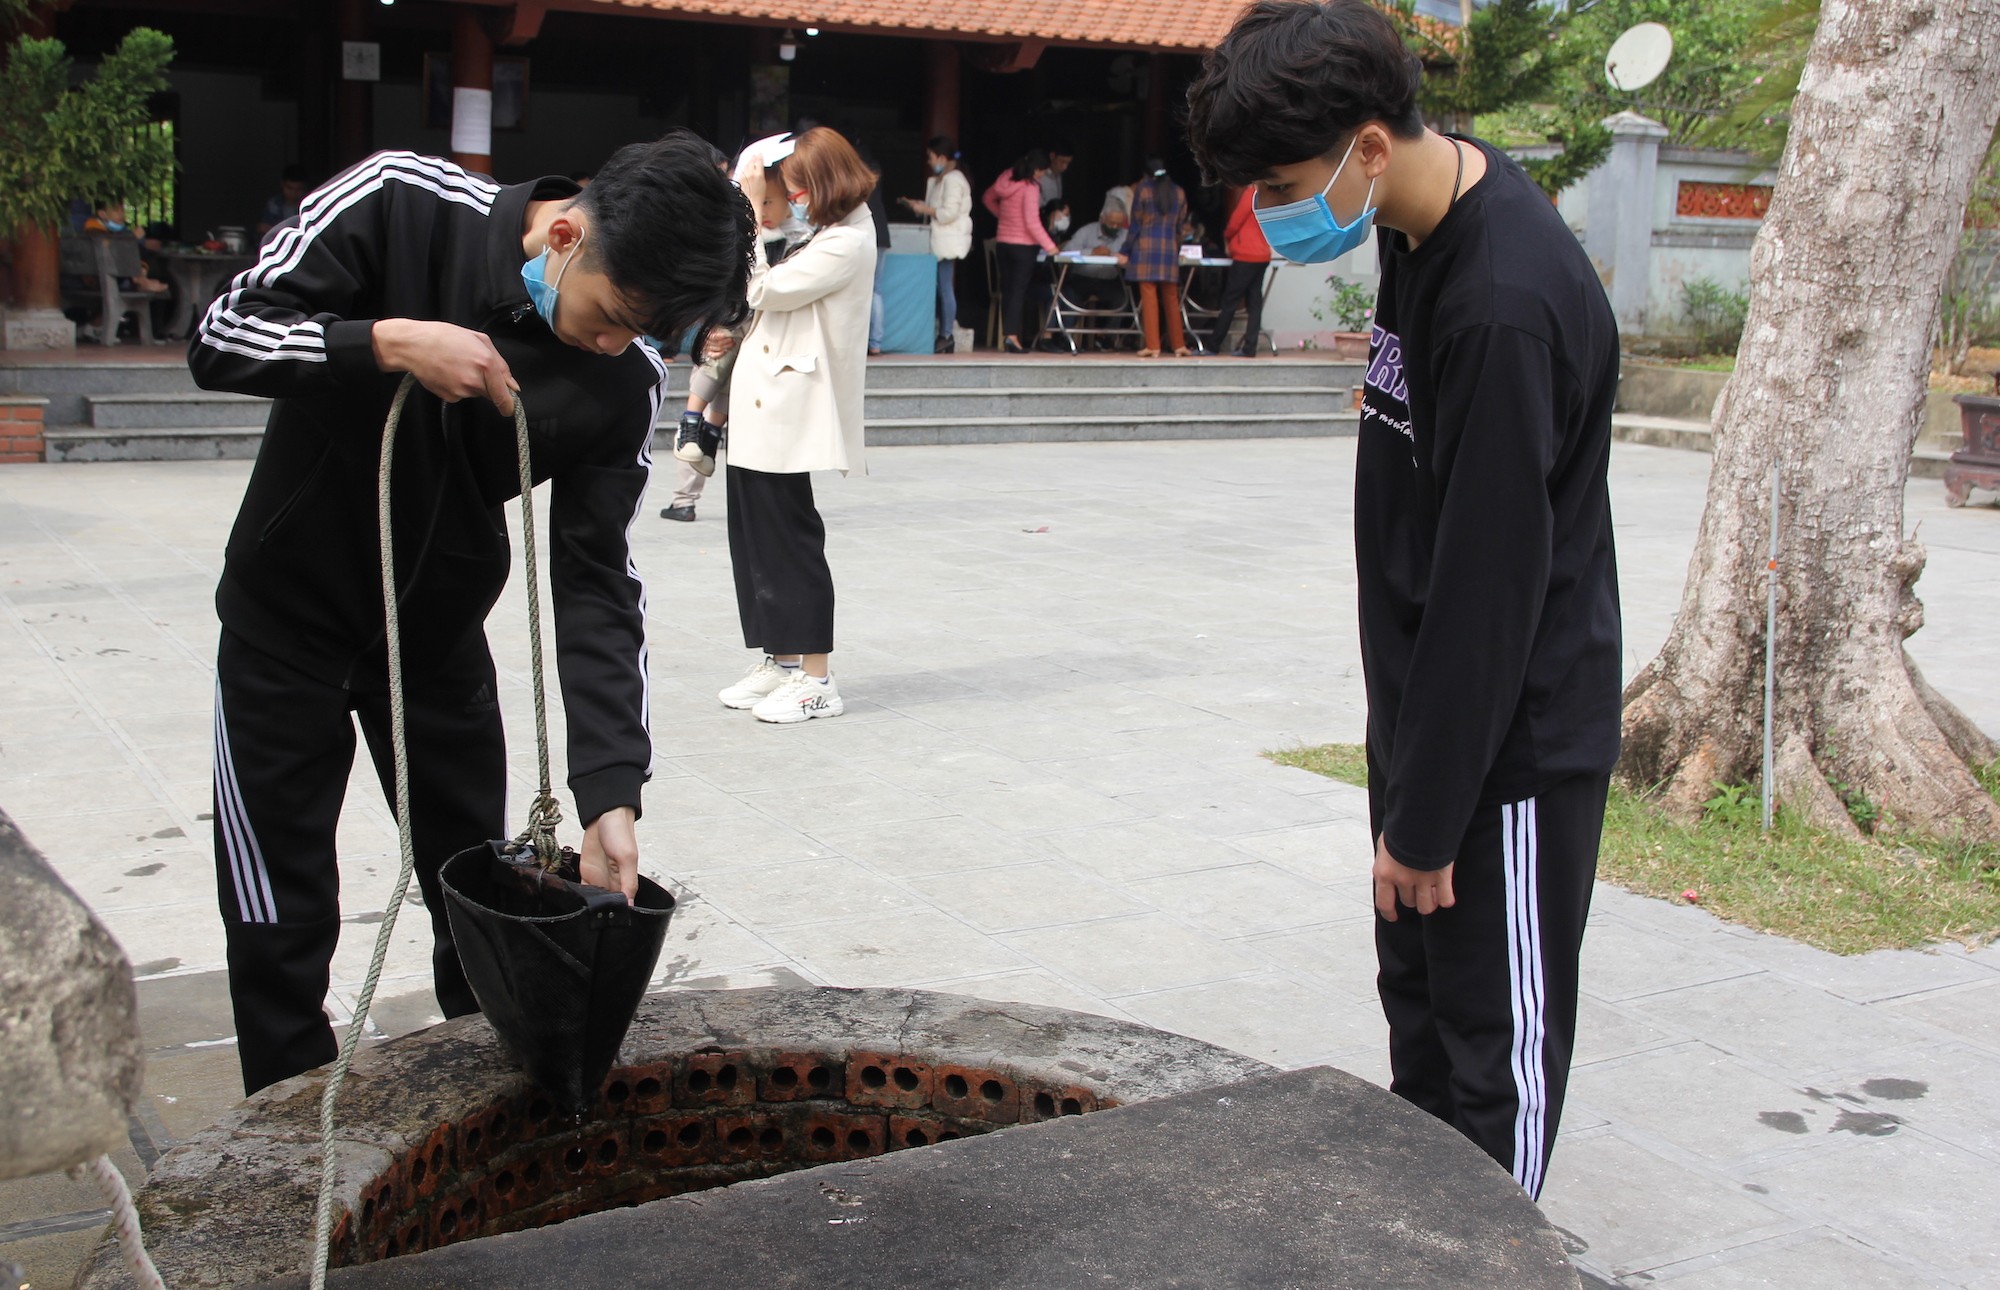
[{"x": 1927, "y": 462}]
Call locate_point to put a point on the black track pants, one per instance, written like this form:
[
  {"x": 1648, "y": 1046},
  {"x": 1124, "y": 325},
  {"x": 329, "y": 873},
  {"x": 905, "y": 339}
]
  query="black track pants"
[
  {"x": 1481, "y": 997},
  {"x": 284, "y": 746}
]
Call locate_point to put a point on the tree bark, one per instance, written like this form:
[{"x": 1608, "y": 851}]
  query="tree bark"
[
  {"x": 1894, "y": 114},
  {"x": 37, "y": 276}
]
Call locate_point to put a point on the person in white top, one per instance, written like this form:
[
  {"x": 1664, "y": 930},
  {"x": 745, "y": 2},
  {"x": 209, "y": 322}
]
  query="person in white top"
[
  {"x": 795, "y": 407},
  {"x": 947, "y": 204}
]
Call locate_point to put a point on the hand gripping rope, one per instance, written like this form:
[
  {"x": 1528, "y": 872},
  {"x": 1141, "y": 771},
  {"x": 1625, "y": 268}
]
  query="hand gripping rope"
[{"x": 543, "y": 816}]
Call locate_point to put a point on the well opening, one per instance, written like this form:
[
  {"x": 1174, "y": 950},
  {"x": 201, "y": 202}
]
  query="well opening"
[{"x": 688, "y": 1122}]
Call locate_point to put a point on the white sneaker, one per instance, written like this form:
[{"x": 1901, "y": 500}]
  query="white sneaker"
[
  {"x": 800, "y": 698},
  {"x": 758, "y": 682}
]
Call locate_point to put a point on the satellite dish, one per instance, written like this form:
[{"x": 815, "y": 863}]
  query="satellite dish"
[{"x": 1639, "y": 56}]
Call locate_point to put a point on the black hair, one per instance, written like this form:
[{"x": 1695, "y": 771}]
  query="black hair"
[
  {"x": 1292, "y": 79},
  {"x": 1032, "y": 160},
  {"x": 676, "y": 238},
  {"x": 943, "y": 146}
]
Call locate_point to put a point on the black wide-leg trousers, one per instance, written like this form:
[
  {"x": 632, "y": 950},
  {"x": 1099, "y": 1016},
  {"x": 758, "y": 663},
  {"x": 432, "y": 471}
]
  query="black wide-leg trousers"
[
  {"x": 284, "y": 747},
  {"x": 1481, "y": 997},
  {"x": 777, "y": 550}
]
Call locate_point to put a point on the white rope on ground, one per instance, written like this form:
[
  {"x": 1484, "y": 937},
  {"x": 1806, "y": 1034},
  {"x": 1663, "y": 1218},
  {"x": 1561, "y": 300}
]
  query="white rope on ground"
[
  {"x": 542, "y": 818},
  {"x": 124, "y": 1218}
]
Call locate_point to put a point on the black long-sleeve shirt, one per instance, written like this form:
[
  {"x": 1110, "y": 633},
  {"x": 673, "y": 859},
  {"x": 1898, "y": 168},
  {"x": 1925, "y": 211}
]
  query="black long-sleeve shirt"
[
  {"x": 406, "y": 236},
  {"x": 1482, "y": 519}
]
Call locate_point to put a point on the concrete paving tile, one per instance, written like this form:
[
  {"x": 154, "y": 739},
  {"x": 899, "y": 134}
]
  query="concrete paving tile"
[
  {"x": 1947, "y": 1092},
  {"x": 1623, "y": 961},
  {"x": 1270, "y": 1017},
  {"x": 702, "y": 940},
  {"x": 970, "y": 767},
  {"x": 189, "y": 1008},
  {"x": 1818, "y": 1258},
  {"x": 1126, "y": 772},
  {"x": 1133, "y": 852},
  {"x": 1016, "y": 897},
  {"x": 1243, "y": 900},
  {"x": 33, "y": 799},
  {"x": 52, "y": 1260},
  {"x": 946, "y": 844},
  {"x": 1636, "y": 1210},
  {"x": 1700, "y": 1100},
  {"x": 1903, "y": 1194},
  {"x": 1339, "y": 953},
  {"x": 919, "y": 945},
  {"x": 1605, "y": 1031},
  {"x": 1365, "y": 1061},
  {"x": 814, "y": 807},
  {"x": 1971, "y": 1013},
  {"x": 810, "y": 891},
  {"x": 1126, "y": 955},
  {"x": 1223, "y": 806},
  {"x": 675, "y": 848},
  {"x": 1791, "y": 1027},
  {"x": 1864, "y": 978},
  {"x": 1034, "y": 738},
  {"x": 1035, "y": 808},
  {"x": 190, "y": 931}
]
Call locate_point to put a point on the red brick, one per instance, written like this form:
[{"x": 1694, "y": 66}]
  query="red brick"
[
  {"x": 19, "y": 458},
  {"x": 715, "y": 1079},
  {"x": 794, "y": 1077},
  {"x": 884, "y": 1079},
  {"x": 1049, "y": 1103},
  {"x": 977, "y": 1094}
]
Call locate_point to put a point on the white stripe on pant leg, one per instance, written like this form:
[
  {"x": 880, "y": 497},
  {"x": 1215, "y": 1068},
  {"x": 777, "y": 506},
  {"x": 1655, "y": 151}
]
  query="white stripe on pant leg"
[
  {"x": 254, "y": 875},
  {"x": 1509, "y": 859},
  {"x": 225, "y": 820},
  {"x": 1538, "y": 1012}
]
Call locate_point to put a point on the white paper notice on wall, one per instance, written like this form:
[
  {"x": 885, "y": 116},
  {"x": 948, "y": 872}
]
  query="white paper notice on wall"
[
  {"x": 472, "y": 121},
  {"x": 360, "y": 60}
]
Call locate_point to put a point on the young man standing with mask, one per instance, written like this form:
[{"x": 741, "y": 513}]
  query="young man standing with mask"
[
  {"x": 408, "y": 264},
  {"x": 1488, "y": 589}
]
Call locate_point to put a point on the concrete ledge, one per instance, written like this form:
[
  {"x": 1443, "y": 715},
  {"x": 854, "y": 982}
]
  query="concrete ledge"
[
  {"x": 1696, "y": 436},
  {"x": 1311, "y": 1178},
  {"x": 442, "y": 1140}
]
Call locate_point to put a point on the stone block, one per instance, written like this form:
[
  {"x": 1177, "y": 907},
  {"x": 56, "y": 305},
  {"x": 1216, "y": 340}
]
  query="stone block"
[
  {"x": 36, "y": 329},
  {"x": 69, "y": 1036}
]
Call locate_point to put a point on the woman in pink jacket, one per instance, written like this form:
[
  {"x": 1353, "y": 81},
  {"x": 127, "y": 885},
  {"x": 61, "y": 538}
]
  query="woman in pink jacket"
[{"x": 1016, "y": 198}]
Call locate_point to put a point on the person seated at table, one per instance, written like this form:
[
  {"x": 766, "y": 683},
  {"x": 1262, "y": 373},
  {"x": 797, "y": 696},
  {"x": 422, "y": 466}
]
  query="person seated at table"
[
  {"x": 1098, "y": 286},
  {"x": 109, "y": 221},
  {"x": 291, "y": 191},
  {"x": 1042, "y": 286}
]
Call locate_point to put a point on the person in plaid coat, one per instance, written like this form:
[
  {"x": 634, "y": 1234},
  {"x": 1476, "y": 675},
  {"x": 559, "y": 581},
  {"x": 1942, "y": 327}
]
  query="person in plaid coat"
[{"x": 1153, "y": 250}]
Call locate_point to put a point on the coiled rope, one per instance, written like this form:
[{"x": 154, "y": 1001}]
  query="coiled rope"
[{"x": 543, "y": 816}]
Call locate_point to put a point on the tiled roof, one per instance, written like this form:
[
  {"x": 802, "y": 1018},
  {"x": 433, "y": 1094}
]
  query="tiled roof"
[{"x": 1140, "y": 24}]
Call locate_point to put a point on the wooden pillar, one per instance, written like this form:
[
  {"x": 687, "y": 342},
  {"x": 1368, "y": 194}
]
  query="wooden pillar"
[
  {"x": 943, "y": 86},
  {"x": 354, "y": 101},
  {"x": 471, "y": 91},
  {"x": 1156, "y": 105}
]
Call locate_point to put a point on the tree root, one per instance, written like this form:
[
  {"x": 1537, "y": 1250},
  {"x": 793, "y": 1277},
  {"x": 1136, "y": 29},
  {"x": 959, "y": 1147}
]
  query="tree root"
[
  {"x": 1805, "y": 792},
  {"x": 1965, "y": 738}
]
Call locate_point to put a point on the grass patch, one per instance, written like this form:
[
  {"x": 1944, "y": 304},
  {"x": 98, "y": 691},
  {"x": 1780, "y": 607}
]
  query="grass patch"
[{"x": 1887, "y": 891}]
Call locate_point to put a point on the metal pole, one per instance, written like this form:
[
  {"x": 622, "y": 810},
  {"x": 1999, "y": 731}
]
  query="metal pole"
[{"x": 1770, "y": 643}]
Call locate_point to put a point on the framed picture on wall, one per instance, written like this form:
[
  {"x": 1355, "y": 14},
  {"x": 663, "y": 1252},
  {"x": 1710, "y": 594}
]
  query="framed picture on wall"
[{"x": 510, "y": 92}]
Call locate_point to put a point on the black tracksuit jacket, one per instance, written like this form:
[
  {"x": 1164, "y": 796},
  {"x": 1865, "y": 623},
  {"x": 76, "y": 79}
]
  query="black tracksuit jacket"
[
  {"x": 1482, "y": 519},
  {"x": 406, "y": 236}
]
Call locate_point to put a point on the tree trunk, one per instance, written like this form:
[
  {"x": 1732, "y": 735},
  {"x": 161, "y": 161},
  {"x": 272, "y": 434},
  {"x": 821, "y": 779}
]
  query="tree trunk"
[
  {"x": 1893, "y": 117},
  {"x": 37, "y": 282}
]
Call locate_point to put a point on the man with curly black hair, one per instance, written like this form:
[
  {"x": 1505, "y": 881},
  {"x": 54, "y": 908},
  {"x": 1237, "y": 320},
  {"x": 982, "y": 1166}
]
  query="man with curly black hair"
[
  {"x": 1487, "y": 580},
  {"x": 409, "y": 264}
]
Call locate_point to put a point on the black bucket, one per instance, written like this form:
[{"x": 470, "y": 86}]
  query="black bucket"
[{"x": 559, "y": 968}]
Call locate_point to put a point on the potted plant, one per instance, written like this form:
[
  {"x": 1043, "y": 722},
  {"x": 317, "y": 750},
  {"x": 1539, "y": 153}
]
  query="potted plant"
[
  {"x": 1351, "y": 307},
  {"x": 59, "y": 142}
]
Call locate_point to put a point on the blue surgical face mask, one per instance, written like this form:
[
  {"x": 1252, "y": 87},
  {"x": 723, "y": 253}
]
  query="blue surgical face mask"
[
  {"x": 1308, "y": 232},
  {"x": 115, "y": 225},
  {"x": 800, "y": 210},
  {"x": 541, "y": 292}
]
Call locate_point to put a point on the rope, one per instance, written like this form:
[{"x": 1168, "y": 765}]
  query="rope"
[
  {"x": 111, "y": 1185},
  {"x": 540, "y": 835}
]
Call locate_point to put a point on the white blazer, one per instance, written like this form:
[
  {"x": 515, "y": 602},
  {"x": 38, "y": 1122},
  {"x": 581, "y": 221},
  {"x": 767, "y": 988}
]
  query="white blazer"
[
  {"x": 795, "y": 396},
  {"x": 950, "y": 195}
]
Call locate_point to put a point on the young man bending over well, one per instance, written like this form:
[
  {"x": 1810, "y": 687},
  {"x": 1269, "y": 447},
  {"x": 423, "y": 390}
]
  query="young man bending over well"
[
  {"x": 410, "y": 264},
  {"x": 1482, "y": 533}
]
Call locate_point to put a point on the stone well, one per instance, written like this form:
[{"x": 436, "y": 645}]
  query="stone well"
[{"x": 767, "y": 1138}]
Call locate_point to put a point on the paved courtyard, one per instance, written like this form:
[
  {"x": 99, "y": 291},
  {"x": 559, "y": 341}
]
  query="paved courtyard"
[{"x": 1061, "y": 663}]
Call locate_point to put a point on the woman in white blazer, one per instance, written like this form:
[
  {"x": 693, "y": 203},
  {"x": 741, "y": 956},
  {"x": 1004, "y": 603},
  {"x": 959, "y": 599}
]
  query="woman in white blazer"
[
  {"x": 795, "y": 407},
  {"x": 947, "y": 204}
]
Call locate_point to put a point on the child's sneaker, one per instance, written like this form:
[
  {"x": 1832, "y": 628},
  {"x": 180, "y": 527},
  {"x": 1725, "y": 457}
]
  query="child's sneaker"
[
  {"x": 688, "y": 445},
  {"x": 800, "y": 698},
  {"x": 758, "y": 682}
]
